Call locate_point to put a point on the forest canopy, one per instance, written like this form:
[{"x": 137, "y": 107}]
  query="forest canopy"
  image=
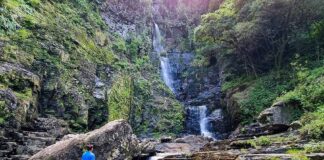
[{"x": 256, "y": 36}]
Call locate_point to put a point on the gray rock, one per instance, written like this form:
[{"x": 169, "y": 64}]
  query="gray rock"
[
  {"x": 124, "y": 16},
  {"x": 174, "y": 148},
  {"x": 114, "y": 141},
  {"x": 147, "y": 146},
  {"x": 295, "y": 125},
  {"x": 279, "y": 113},
  {"x": 193, "y": 139},
  {"x": 99, "y": 91},
  {"x": 53, "y": 126}
]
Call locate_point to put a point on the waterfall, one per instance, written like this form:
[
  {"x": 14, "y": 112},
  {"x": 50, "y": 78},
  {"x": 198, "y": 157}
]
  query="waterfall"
[
  {"x": 166, "y": 73},
  {"x": 197, "y": 121},
  {"x": 164, "y": 60},
  {"x": 204, "y": 122},
  {"x": 157, "y": 40}
]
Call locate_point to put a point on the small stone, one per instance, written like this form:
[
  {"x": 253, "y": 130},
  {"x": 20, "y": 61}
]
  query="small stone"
[
  {"x": 295, "y": 125},
  {"x": 165, "y": 139}
]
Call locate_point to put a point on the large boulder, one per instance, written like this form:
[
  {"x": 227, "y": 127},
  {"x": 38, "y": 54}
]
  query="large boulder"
[
  {"x": 114, "y": 141},
  {"x": 278, "y": 117},
  {"x": 278, "y": 114}
]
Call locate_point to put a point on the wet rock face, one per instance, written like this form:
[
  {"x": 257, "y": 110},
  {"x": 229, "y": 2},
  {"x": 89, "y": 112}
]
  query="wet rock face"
[
  {"x": 202, "y": 87},
  {"x": 192, "y": 85},
  {"x": 178, "y": 64},
  {"x": 192, "y": 120},
  {"x": 219, "y": 123},
  {"x": 113, "y": 141}
]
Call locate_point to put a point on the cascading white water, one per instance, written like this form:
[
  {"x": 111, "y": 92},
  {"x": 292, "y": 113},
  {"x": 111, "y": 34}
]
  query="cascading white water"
[
  {"x": 165, "y": 63},
  {"x": 204, "y": 122},
  {"x": 157, "y": 40},
  {"x": 166, "y": 69}
]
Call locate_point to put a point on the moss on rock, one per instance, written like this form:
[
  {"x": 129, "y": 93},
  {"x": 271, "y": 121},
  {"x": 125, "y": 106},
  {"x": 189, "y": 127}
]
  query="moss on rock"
[{"x": 120, "y": 98}]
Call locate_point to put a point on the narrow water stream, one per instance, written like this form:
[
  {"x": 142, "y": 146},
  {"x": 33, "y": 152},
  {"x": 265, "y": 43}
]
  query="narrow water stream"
[{"x": 204, "y": 120}]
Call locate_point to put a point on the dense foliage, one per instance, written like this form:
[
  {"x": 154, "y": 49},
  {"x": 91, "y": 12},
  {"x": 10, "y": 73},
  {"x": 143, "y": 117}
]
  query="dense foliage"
[
  {"x": 262, "y": 35},
  {"x": 274, "y": 47}
]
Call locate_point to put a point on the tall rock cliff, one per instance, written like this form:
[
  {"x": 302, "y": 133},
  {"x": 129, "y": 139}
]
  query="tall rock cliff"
[{"x": 84, "y": 62}]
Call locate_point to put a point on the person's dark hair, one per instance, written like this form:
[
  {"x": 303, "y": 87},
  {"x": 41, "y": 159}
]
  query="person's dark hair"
[{"x": 89, "y": 147}]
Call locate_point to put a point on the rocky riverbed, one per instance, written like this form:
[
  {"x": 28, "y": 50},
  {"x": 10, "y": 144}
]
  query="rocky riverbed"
[
  {"x": 286, "y": 146},
  {"x": 116, "y": 141}
]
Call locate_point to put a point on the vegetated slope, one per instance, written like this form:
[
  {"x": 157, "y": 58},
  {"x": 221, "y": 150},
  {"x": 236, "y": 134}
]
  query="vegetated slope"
[
  {"x": 267, "y": 51},
  {"x": 60, "y": 58}
]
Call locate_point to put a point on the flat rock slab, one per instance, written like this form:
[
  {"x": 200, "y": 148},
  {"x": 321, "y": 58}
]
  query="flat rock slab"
[
  {"x": 173, "y": 148},
  {"x": 313, "y": 156},
  {"x": 114, "y": 141},
  {"x": 214, "y": 156}
]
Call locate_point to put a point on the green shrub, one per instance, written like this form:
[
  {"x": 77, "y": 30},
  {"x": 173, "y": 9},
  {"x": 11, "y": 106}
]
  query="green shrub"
[
  {"x": 297, "y": 154},
  {"x": 314, "y": 147},
  {"x": 7, "y": 24},
  {"x": 133, "y": 47},
  {"x": 12, "y": 4},
  {"x": 264, "y": 141},
  {"x": 235, "y": 83},
  {"x": 30, "y": 21},
  {"x": 34, "y": 3},
  {"x": 25, "y": 94},
  {"x": 313, "y": 125},
  {"x": 4, "y": 112},
  {"x": 261, "y": 94},
  {"x": 23, "y": 34},
  {"x": 120, "y": 98},
  {"x": 119, "y": 44},
  {"x": 309, "y": 92},
  {"x": 261, "y": 141}
]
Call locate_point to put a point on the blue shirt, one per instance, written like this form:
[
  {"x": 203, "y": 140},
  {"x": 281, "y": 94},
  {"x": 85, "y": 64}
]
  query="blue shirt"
[{"x": 88, "y": 156}]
